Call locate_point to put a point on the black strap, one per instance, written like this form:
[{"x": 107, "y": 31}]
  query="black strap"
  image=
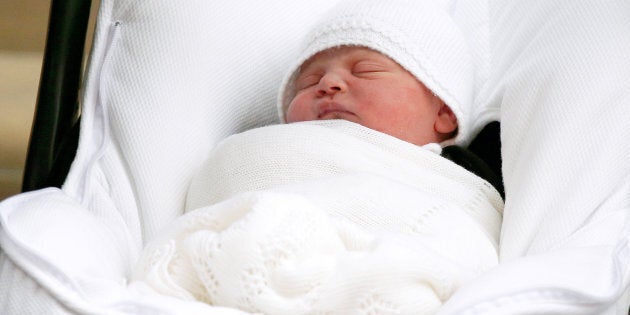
[
  {"x": 473, "y": 163},
  {"x": 487, "y": 146}
]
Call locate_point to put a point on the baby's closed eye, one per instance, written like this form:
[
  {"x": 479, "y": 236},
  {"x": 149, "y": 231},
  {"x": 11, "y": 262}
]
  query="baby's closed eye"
[
  {"x": 307, "y": 80},
  {"x": 368, "y": 68}
]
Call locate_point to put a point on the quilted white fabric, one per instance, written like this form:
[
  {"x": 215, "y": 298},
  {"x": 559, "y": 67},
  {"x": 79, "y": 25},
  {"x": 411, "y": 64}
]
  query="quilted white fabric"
[
  {"x": 366, "y": 223},
  {"x": 159, "y": 95},
  {"x": 166, "y": 81},
  {"x": 560, "y": 79}
]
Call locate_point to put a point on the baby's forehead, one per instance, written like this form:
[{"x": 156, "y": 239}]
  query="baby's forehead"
[{"x": 341, "y": 52}]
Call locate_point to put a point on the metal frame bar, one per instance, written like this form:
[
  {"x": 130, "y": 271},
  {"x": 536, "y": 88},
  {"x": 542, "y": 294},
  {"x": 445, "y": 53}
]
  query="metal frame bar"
[{"x": 57, "y": 108}]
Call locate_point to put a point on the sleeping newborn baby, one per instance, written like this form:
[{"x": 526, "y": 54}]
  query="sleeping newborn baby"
[
  {"x": 361, "y": 85},
  {"x": 348, "y": 208}
]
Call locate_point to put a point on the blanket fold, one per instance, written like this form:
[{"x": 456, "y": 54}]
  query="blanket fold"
[{"x": 326, "y": 217}]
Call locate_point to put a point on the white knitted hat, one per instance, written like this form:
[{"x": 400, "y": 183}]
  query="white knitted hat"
[{"x": 418, "y": 34}]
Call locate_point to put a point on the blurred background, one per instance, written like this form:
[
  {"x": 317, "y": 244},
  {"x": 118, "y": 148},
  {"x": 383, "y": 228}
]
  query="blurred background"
[{"x": 23, "y": 26}]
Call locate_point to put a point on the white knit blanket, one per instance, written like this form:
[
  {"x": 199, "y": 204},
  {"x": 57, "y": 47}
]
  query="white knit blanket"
[{"x": 326, "y": 217}]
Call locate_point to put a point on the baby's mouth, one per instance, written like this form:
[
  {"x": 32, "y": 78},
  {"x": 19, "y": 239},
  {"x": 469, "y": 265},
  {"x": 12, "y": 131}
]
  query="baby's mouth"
[{"x": 333, "y": 111}]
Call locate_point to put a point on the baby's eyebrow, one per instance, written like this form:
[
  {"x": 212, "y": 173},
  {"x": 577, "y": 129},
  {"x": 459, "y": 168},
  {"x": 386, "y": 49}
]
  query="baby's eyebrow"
[
  {"x": 303, "y": 74},
  {"x": 308, "y": 63},
  {"x": 305, "y": 67}
]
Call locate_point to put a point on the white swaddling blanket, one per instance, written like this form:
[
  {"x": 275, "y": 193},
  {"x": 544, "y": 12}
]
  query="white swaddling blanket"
[{"x": 326, "y": 217}]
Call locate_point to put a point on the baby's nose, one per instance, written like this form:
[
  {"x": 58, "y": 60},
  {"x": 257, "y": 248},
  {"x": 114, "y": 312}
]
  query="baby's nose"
[{"x": 331, "y": 83}]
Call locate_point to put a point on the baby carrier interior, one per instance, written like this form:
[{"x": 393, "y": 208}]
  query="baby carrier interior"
[{"x": 165, "y": 82}]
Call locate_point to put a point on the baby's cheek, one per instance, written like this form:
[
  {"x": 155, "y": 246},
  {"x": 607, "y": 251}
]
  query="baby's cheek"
[
  {"x": 292, "y": 116},
  {"x": 298, "y": 111}
]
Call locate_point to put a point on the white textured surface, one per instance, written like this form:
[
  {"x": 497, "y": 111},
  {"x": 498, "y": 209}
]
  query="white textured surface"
[
  {"x": 558, "y": 79},
  {"x": 173, "y": 80},
  {"x": 560, "y": 74},
  {"x": 366, "y": 223},
  {"x": 166, "y": 81}
]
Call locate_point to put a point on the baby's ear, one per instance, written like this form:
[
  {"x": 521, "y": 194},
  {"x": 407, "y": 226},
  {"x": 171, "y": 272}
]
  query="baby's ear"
[{"x": 446, "y": 121}]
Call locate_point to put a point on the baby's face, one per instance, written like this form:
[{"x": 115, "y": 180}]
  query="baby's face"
[{"x": 363, "y": 86}]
